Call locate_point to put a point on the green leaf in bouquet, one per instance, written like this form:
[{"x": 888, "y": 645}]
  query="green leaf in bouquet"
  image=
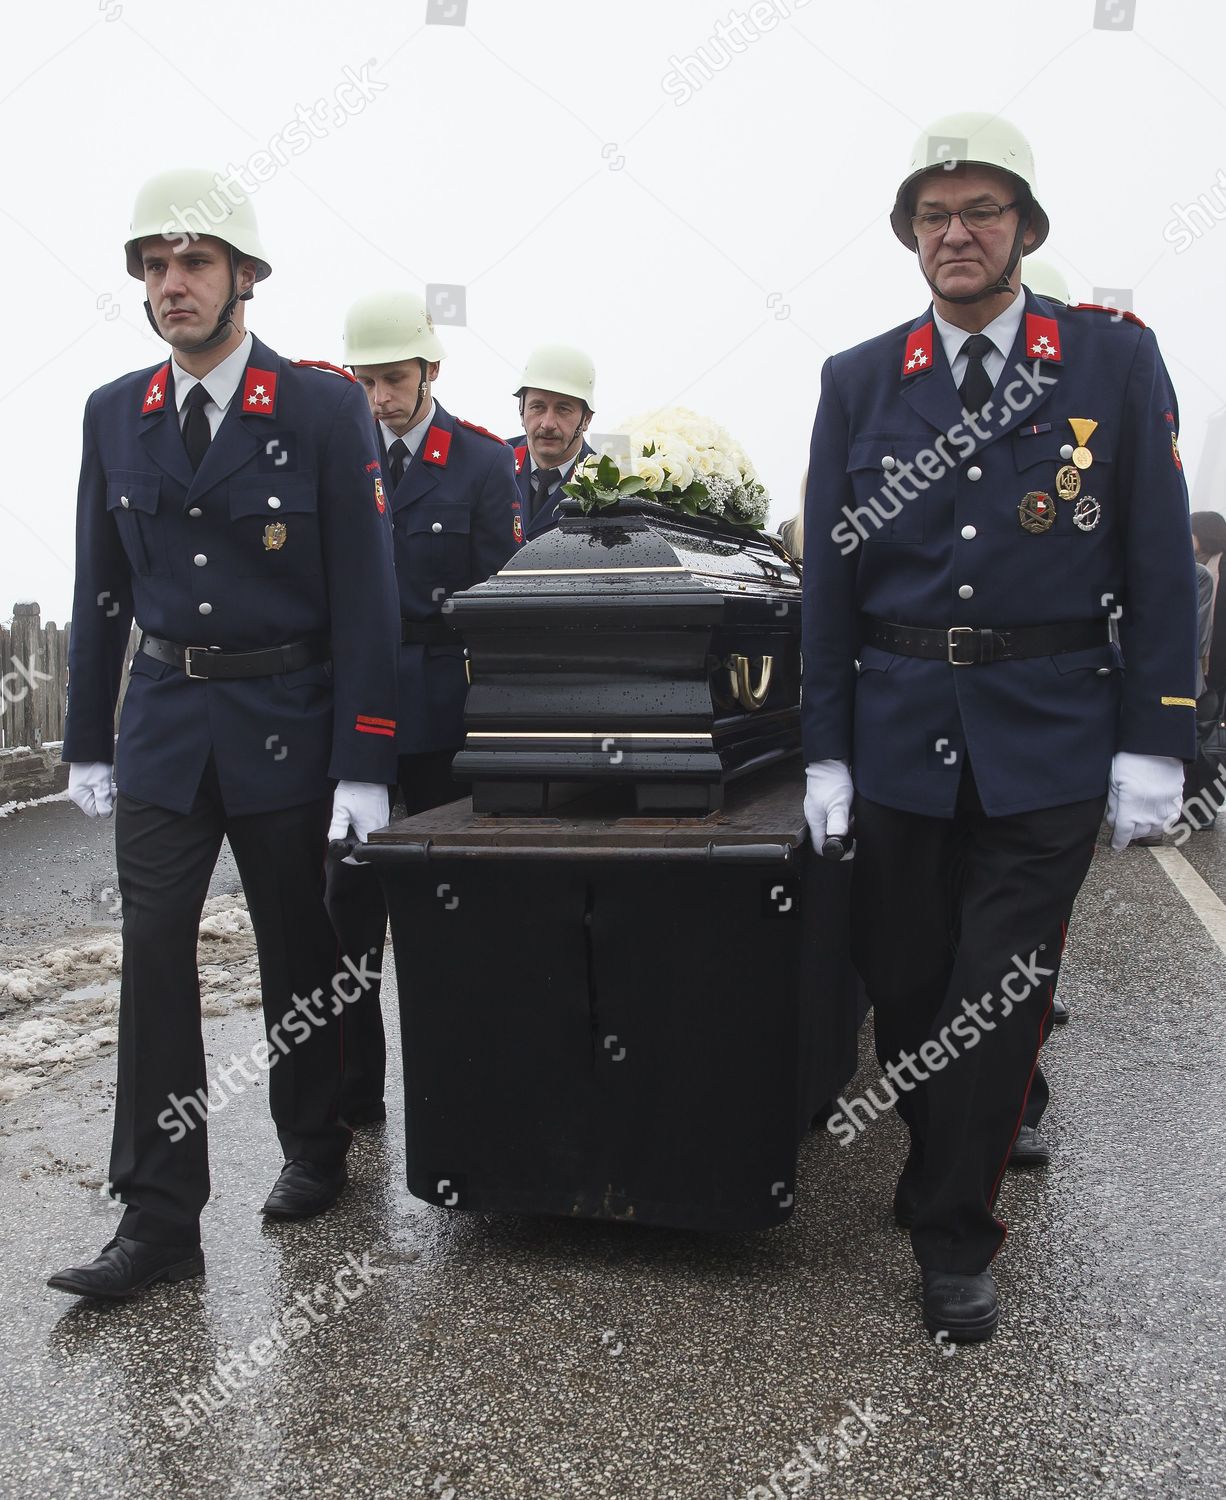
[
  {"x": 607, "y": 473},
  {"x": 631, "y": 485}
]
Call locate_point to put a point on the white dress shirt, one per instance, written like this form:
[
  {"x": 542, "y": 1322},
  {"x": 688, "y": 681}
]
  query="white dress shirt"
[
  {"x": 221, "y": 382},
  {"x": 415, "y": 436},
  {"x": 1002, "y": 330}
]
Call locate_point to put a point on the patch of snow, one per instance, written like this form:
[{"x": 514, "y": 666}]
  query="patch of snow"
[
  {"x": 7, "y": 808},
  {"x": 60, "y": 1007}
]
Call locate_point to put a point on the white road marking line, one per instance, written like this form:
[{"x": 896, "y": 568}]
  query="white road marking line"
[{"x": 1200, "y": 897}]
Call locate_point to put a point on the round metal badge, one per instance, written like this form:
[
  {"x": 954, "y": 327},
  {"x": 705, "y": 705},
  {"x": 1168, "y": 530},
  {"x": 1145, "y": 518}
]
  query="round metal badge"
[
  {"x": 1068, "y": 482},
  {"x": 1087, "y": 513},
  {"x": 1036, "y": 512}
]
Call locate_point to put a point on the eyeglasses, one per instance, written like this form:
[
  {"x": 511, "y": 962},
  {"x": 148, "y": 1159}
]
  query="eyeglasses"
[{"x": 981, "y": 216}]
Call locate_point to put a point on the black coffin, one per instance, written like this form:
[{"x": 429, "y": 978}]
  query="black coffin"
[
  {"x": 637, "y": 647},
  {"x": 618, "y": 1018}
]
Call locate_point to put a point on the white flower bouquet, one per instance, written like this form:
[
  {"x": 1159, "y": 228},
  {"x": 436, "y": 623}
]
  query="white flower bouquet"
[{"x": 678, "y": 459}]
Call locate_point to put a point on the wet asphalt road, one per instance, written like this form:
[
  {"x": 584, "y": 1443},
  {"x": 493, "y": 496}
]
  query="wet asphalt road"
[
  {"x": 55, "y": 869},
  {"x": 490, "y": 1358}
]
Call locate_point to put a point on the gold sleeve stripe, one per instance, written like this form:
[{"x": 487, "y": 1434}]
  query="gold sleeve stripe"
[{"x": 1179, "y": 702}]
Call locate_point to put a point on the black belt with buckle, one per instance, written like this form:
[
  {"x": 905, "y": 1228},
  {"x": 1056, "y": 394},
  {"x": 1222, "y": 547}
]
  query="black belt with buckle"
[
  {"x": 428, "y": 633},
  {"x": 205, "y": 663},
  {"x": 968, "y": 646}
]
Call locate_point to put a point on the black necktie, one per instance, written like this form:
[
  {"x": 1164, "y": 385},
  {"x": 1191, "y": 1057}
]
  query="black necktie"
[
  {"x": 542, "y": 481},
  {"x": 197, "y": 434},
  {"x": 976, "y": 387},
  {"x": 397, "y": 458}
]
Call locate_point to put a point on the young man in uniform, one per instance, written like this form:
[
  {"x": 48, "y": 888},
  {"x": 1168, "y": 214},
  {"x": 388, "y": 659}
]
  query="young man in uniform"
[
  {"x": 989, "y": 484},
  {"x": 230, "y": 502},
  {"x": 456, "y": 518}
]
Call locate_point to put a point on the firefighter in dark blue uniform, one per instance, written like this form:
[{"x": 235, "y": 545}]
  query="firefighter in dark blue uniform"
[
  {"x": 231, "y": 503},
  {"x": 557, "y": 398},
  {"x": 988, "y": 486},
  {"x": 456, "y": 519}
]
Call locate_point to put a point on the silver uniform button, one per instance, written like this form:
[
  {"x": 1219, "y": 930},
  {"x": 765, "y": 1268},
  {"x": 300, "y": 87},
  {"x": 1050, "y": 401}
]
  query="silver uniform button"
[
  {"x": 1103, "y": 672},
  {"x": 200, "y": 559},
  {"x": 124, "y": 501},
  {"x": 969, "y": 533},
  {"x": 274, "y": 503},
  {"x": 887, "y": 462},
  {"x": 437, "y": 527},
  {"x": 974, "y": 472},
  {"x": 966, "y": 592},
  {"x": 1066, "y": 452},
  {"x": 206, "y": 608},
  {"x": 195, "y": 512}
]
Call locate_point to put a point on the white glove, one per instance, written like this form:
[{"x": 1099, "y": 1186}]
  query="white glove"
[
  {"x": 90, "y": 787},
  {"x": 360, "y": 804},
  {"x": 1144, "y": 793},
  {"x": 827, "y": 800}
]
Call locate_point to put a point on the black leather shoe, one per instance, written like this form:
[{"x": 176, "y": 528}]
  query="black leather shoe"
[
  {"x": 125, "y": 1267},
  {"x": 964, "y": 1307},
  {"x": 357, "y": 1115},
  {"x": 304, "y": 1190},
  {"x": 1059, "y": 1012},
  {"x": 1029, "y": 1149}
]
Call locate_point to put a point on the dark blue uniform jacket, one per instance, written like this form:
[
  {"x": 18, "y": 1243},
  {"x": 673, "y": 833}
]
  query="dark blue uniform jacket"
[
  {"x": 912, "y": 516},
  {"x": 283, "y": 534}
]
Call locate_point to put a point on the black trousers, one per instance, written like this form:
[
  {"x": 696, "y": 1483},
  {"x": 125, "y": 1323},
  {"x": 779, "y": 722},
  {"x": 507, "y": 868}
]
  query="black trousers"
[
  {"x": 159, "y": 1155},
  {"x": 359, "y": 917},
  {"x": 1202, "y": 786},
  {"x": 954, "y": 910}
]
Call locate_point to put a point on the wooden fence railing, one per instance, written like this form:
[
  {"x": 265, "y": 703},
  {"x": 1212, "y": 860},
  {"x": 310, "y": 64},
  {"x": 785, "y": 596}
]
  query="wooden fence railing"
[{"x": 34, "y": 678}]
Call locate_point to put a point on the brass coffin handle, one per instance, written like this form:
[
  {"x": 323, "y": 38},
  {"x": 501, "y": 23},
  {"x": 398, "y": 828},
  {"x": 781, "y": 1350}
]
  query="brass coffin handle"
[{"x": 748, "y": 694}]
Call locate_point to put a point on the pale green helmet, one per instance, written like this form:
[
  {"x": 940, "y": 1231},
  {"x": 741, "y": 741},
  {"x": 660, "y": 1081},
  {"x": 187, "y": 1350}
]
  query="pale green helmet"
[
  {"x": 560, "y": 368},
  {"x": 972, "y": 139},
  {"x": 1042, "y": 277},
  {"x": 384, "y": 328},
  {"x": 187, "y": 202}
]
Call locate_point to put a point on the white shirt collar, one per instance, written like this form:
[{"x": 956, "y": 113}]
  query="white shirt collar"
[
  {"x": 1002, "y": 330},
  {"x": 222, "y": 380},
  {"x": 416, "y": 434},
  {"x": 563, "y": 469}
]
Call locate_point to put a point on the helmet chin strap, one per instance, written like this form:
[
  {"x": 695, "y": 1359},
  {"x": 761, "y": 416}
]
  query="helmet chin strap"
[
  {"x": 224, "y": 319},
  {"x": 423, "y": 390},
  {"x": 1001, "y": 287}
]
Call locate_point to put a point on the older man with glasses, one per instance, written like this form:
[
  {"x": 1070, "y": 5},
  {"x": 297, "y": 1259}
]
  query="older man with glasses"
[{"x": 989, "y": 486}]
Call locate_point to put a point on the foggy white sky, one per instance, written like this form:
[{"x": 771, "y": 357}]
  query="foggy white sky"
[{"x": 710, "y": 252}]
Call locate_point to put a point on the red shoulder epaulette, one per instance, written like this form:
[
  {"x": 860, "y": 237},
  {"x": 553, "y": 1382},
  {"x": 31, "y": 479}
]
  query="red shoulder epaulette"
[
  {"x": 323, "y": 364},
  {"x": 484, "y": 431},
  {"x": 1116, "y": 312}
]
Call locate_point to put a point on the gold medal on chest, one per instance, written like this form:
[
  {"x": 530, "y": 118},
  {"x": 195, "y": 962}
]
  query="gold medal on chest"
[
  {"x": 274, "y": 536},
  {"x": 1083, "y": 430}
]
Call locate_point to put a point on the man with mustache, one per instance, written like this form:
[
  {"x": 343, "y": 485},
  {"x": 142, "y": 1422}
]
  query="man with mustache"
[
  {"x": 230, "y": 502},
  {"x": 988, "y": 486},
  {"x": 557, "y": 395}
]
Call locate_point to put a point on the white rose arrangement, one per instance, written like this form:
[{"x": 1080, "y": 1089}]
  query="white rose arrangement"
[{"x": 678, "y": 459}]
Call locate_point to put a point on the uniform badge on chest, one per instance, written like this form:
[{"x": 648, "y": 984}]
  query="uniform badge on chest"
[
  {"x": 274, "y": 536},
  {"x": 1036, "y": 512}
]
